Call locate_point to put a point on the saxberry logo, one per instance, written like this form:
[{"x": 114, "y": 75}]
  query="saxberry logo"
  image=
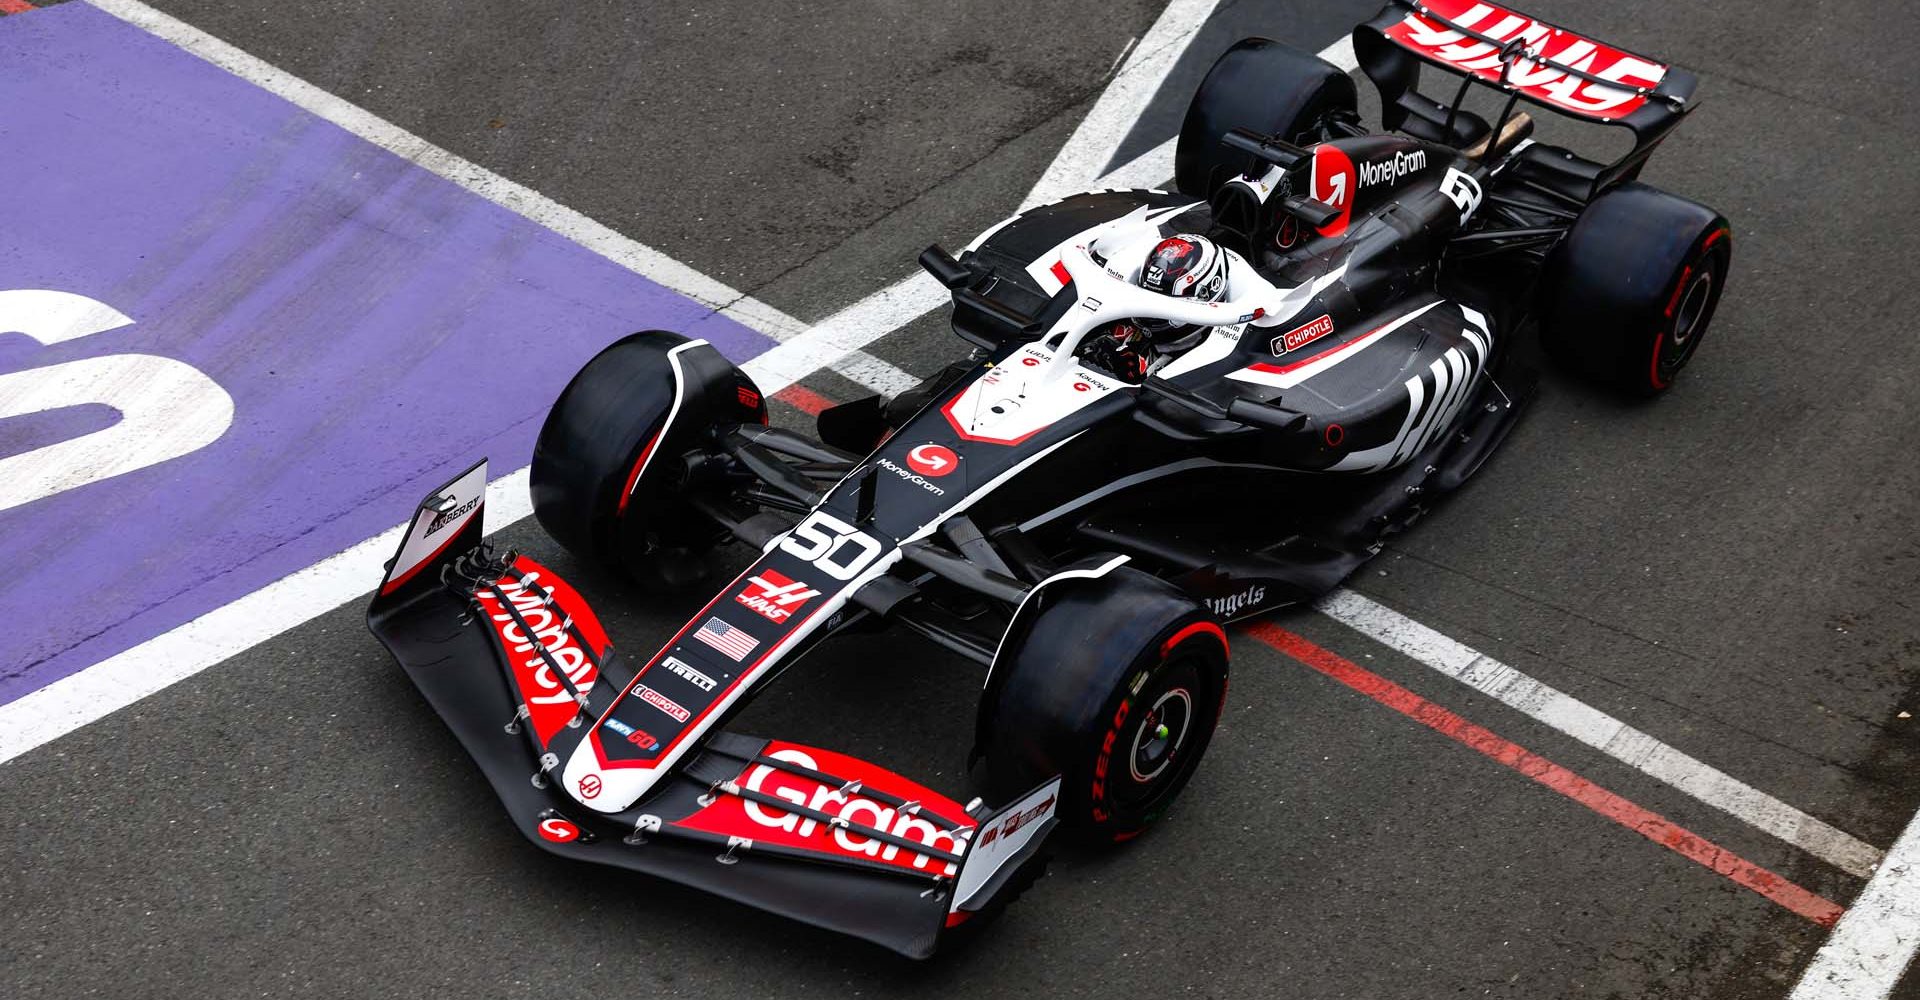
[
  {"x": 1302, "y": 335},
  {"x": 558, "y": 830},
  {"x": 773, "y": 596},
  {"x": 589, "y": 786},
  {"x": 932, "y": 460},
  {"x": 442, "y": 518},
  {"x": 1544, "y": 83}
]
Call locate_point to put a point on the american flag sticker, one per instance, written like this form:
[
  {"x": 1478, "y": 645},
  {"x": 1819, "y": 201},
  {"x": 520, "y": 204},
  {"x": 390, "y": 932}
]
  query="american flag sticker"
[{"x": 734, "y": 642}]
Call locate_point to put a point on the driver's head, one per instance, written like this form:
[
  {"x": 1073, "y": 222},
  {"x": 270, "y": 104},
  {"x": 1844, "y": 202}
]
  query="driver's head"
[{"x": 1186, "y": 266}]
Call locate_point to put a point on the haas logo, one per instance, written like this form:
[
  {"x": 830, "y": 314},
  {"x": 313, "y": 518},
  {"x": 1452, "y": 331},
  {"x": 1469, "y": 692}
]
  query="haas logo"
[
  {"x": 773, "y": 596},
  {"x": 932, "y": 460}
]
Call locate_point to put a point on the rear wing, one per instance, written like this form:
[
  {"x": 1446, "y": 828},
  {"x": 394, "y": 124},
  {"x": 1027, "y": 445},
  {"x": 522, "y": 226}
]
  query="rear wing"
[{"x": 1526, "y": 58}]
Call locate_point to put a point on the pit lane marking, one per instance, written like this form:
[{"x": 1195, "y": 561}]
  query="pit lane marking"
[
  {"x": 126, "y": 677},
  {"x": 1601, "y": 731},
  {"x": 631, "y": 254},
  {"x": 1613, "y": 806},
  {"x": 1875, "y": 941}
]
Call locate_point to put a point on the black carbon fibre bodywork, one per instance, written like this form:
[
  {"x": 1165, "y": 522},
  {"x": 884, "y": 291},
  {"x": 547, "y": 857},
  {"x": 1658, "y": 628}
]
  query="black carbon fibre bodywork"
[{"x": 1367, "y": 355}]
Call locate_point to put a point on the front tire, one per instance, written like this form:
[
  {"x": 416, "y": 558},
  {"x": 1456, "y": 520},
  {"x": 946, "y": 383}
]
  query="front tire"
[
  {"x": 1116, "y": 684},
  {"x": 1632, "y": 289},
  {"x": 608, "y": 463}
]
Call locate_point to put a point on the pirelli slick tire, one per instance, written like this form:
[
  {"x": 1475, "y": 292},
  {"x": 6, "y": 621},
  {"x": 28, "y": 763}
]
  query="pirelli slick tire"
[
  {"x": 1116, "y": 684},
  {"x": 1630, "y": 291},
  {"x": 608, "y": 465},
  {"x": 1259, "y": 84}
]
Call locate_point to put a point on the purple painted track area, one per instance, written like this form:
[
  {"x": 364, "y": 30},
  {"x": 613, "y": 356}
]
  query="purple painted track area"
[{"x": 376, "y": 326}]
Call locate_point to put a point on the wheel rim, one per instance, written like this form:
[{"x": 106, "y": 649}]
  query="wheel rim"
[
  {"x": 1160, "y": 734},
  {"x": 1693, "y": 305},
  {"x": 1157, "y": 760},
  {"x": 1691, "y": 311}
]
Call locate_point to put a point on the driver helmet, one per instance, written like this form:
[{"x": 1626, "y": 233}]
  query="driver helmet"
[{"x": 1184, "y": 266}]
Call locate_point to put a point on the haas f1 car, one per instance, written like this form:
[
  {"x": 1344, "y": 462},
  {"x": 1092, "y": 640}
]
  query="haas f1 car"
[{"x": 1179, "y": 409}]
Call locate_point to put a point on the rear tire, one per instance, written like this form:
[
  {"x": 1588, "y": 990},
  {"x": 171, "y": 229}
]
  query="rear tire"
[
  {"x": 1116, "y": 684},
  {"x": 608, "y": 463},
  {"x": 1260, "y": 84},
  {"x": 1632, "y": 289}
]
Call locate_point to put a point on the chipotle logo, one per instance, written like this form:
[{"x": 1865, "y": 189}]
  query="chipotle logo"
[{"x": 1301, "y": 336}]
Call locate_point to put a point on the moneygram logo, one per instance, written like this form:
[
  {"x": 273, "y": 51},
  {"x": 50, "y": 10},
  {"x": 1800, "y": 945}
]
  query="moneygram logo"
[
  {"x": 910, "y": 476},
  {"x": 932, "y": 460},
  {"x": 1392, "y": 168}
]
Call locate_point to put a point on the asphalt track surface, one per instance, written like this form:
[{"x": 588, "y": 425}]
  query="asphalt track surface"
[{"x": 1732, "y": 568}]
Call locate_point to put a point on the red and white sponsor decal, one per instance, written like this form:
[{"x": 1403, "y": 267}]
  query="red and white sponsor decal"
[
  {"x": 1301, "y": 336},
  {"x": 774, "y": 596},
  {"x": 932, "y": 460},
  {"x": 1334, "y": 182},
  {"x": 734, "y": 816},
  {"x": 549, "y": 705},
  {"x": 662, "y": 702},
  {"x": 558, "y": 830},
  {"x": 589, "y": 786},
  {"x": 1546, "y": 84}
]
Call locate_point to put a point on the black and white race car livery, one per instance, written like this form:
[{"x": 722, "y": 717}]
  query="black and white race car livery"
[{"x": 1074, "y": 506}]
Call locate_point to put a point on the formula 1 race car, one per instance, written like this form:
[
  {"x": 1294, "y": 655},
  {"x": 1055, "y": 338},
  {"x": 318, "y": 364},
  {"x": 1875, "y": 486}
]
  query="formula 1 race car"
[{"x": 1122, "y": 465}]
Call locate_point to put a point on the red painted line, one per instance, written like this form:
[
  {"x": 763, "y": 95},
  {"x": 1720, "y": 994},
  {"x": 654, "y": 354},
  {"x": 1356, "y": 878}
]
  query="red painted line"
[
  {"x": 802, "y": 398},
  {"x": 14, "y": 6},
  {"x": 1634, "y": 817}
]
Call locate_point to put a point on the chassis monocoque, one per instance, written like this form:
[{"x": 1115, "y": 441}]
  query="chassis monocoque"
[{"x": 1081, "y": 535}]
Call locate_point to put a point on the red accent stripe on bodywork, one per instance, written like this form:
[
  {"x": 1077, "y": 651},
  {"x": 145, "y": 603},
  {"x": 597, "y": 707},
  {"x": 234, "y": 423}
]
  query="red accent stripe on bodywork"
[
  {"x": 1059, "y": 270},
  {"x": 626, "y": 494},
  {"x": 15, "y": 6},
  {"x": 1262, "y": 366},
  {"x": 1634, "y": 817}
]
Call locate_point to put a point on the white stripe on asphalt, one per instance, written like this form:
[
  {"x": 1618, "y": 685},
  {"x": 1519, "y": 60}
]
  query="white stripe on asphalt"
[
  {"x": 914, "y": 296},
  {"x": 631, "y": 254},
  {"x": 1875, "y": 940},
  {"x": 835, "y": 342},
  {"x": 1098, "y": 137},
  {"x": 1601, "y": 731}
]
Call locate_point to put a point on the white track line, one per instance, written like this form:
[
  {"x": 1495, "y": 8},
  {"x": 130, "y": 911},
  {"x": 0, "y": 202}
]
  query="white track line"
[
  {"x": 914, "y": 296},
  {"x": 631, "y": 254},
  {"x": 834, "y": 342},
  {"x": 1601, "y": 731},
  {"x": 1098, "y": 137},
  {"x": 1875, "y": 940}
]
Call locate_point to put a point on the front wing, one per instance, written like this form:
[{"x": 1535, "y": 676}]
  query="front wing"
[{"x": 516, "y": 664}]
